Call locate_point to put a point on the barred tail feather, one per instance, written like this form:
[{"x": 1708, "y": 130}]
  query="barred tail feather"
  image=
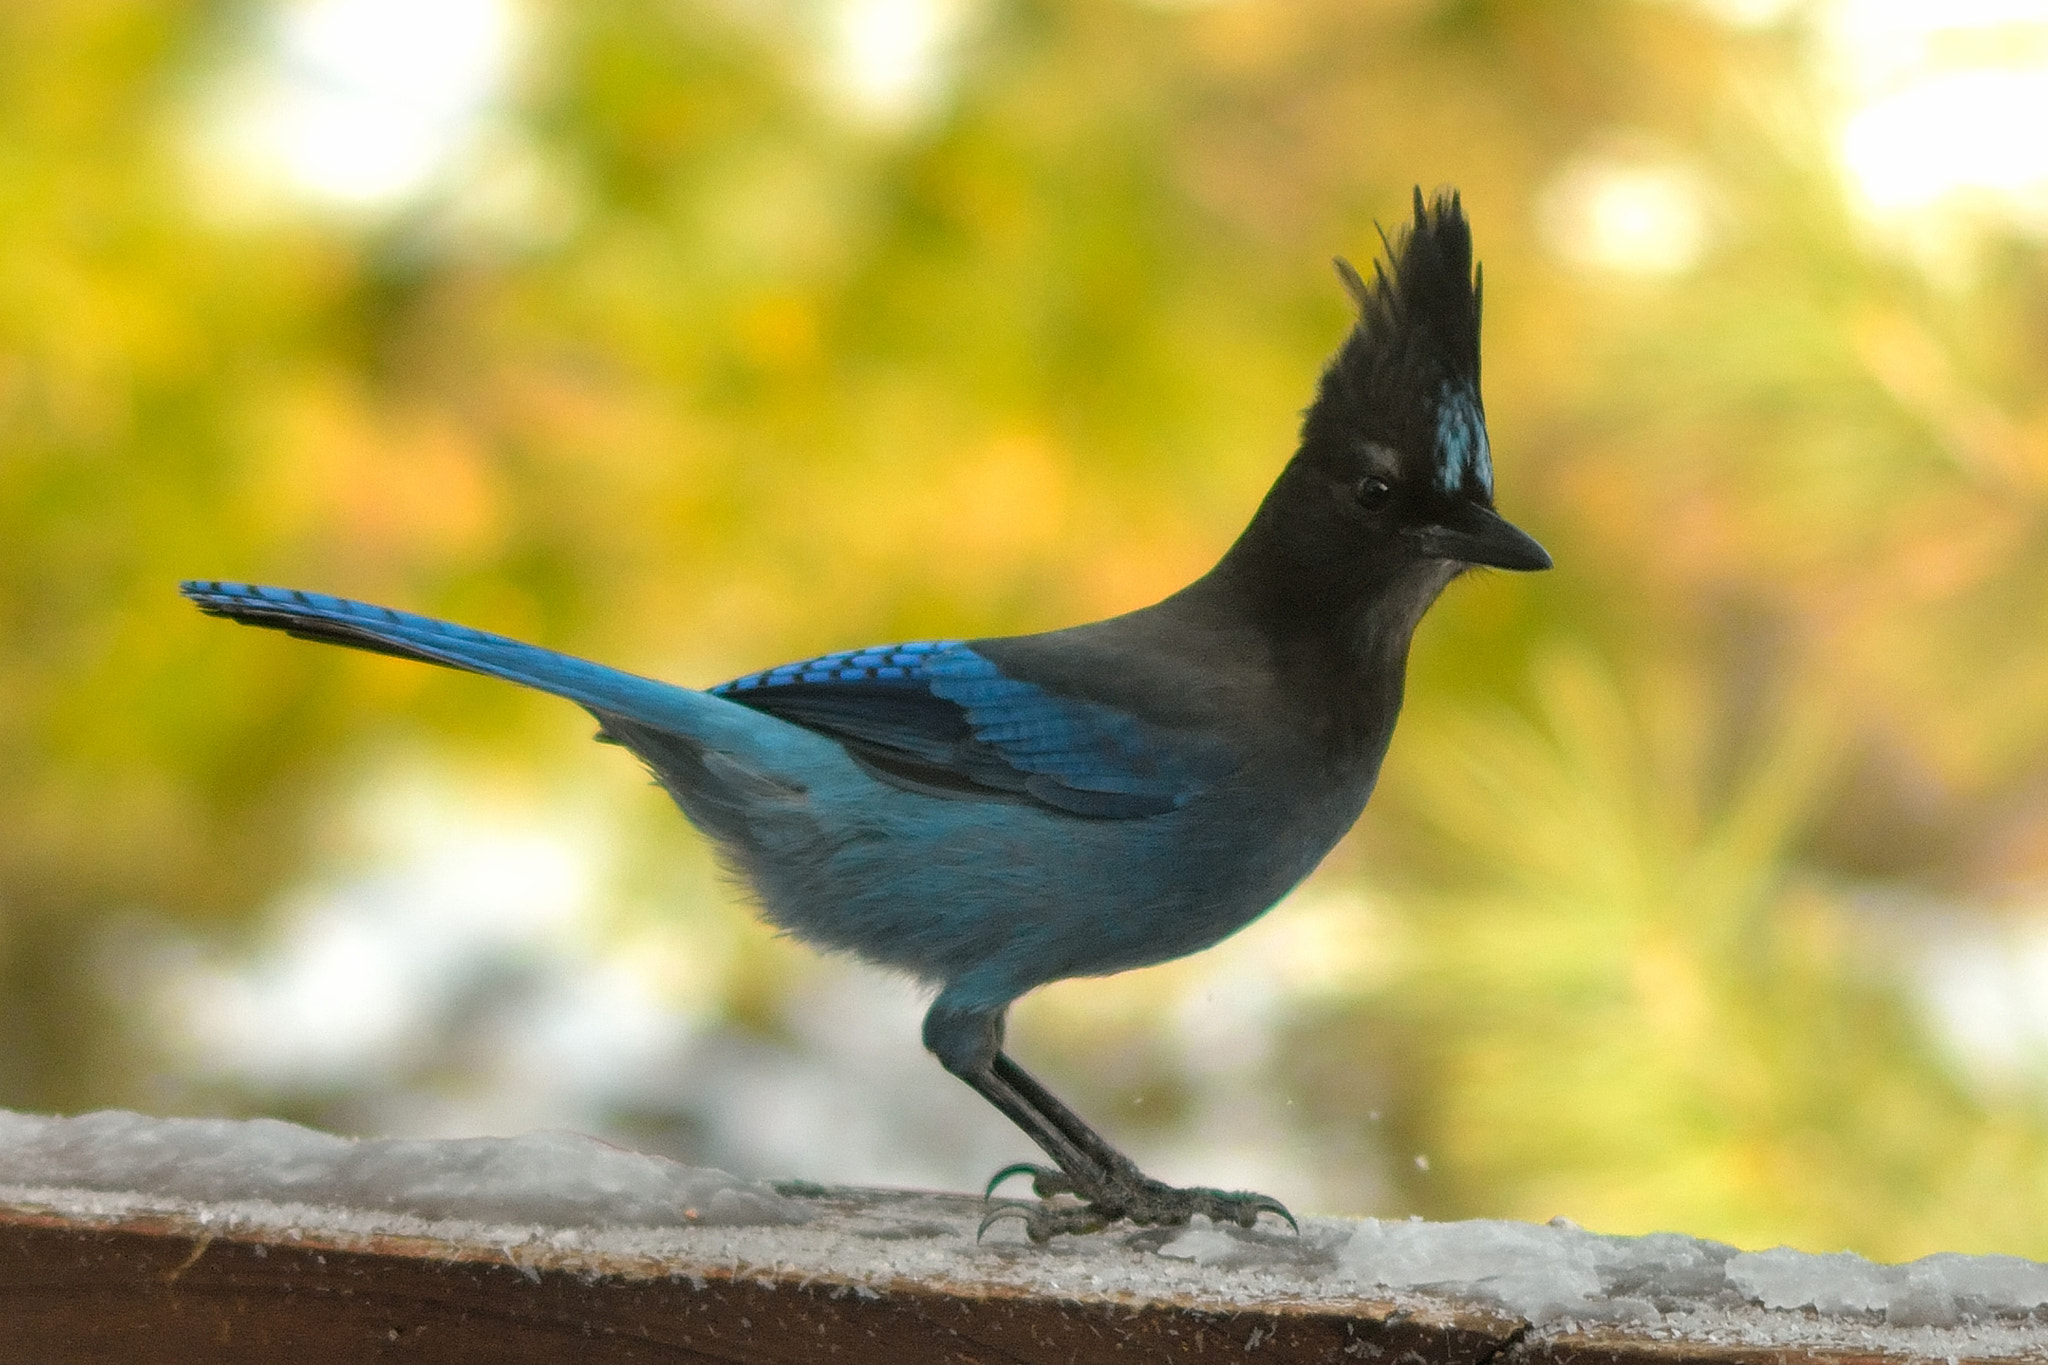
[{"x": 381, "y": 630}]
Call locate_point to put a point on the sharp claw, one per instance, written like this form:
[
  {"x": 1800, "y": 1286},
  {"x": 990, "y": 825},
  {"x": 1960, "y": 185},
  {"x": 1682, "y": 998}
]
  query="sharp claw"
[
  {"x": 1046, "y": 1181},
  {"x": 1029, "y": 1213},
  {"x": 1014, "y": 1168},
  {"x": 1248, "y": 1214},
  {"x": 1240, "y": 1207}
]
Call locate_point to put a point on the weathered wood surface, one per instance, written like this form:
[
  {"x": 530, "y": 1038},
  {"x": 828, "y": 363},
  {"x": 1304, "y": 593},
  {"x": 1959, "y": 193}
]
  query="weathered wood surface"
[
  {"x": 81, "y": 1284},
  {"x": 172, "y": 1289}
]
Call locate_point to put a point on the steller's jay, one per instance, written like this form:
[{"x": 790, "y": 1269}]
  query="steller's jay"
[{"x": 992, "y": 815}]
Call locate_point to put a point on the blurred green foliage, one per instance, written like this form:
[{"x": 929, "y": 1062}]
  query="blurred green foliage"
[{"x": 771, "y": 379}]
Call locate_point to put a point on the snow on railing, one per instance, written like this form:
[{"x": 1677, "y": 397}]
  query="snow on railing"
[{"x": 130, "y": 1239}]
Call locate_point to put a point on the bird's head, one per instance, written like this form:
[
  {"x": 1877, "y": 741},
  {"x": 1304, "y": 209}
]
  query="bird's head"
[{"x": 1394, "y": 463}]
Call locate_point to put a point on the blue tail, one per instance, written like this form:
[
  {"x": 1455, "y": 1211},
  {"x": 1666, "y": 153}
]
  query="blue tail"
[{"x": 339, "y": 621}]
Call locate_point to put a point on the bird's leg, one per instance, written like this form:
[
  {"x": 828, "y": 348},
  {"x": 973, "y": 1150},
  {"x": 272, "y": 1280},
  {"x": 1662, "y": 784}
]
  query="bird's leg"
[
  {"x": 1044, "y": 1106},
  {"x": 1108, "y": 1183}
]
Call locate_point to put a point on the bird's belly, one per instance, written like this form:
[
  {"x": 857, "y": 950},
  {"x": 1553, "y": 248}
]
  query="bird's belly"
[
  {"x": 1222, "y": 871},
  {"x": 994, "y": 900}
]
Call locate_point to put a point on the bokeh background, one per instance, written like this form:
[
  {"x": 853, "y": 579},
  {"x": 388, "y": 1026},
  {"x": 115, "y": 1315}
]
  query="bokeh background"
[{"x": 1707, "y": 884}]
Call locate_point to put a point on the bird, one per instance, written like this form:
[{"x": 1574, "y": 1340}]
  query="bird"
[{"x": 991, "y": 815}]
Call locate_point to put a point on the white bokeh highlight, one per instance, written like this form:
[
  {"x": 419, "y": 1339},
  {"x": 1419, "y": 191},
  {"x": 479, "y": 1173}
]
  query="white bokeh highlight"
[
  {"x": 364, "y": 105},
  {"x": 1627, "y": 213},
  {"x": 1945, "y": 107},
  {"x": 1984, "y": 979},
  {"x": 359, "y": 969},
  {"x": 889, "y": 60}
]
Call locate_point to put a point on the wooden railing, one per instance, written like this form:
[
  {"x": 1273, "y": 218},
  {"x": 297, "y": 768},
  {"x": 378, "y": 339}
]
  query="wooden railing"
[{"x": 796, "y": 1273}]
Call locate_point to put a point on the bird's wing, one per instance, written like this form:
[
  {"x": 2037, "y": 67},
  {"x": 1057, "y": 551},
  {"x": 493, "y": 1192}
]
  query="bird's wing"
[{"x": 937, "y": 716}]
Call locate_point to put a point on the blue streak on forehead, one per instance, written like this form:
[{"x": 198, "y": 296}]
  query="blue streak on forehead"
[{"x": 1461, "y": 449}]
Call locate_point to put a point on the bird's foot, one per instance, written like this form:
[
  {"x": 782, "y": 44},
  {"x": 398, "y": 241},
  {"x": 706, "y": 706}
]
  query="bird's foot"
[{"x": 1127, "y": 1196}]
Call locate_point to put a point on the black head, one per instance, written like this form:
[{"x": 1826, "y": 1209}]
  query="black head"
[{"x": 1394, "y": 462}]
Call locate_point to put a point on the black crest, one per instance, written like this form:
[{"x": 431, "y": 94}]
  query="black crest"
[{"x": 1407, "y": 377}]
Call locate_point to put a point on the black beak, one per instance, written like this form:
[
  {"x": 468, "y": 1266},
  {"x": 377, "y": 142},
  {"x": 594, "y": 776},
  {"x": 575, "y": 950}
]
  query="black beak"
[{"x": 1479, "y": 535}]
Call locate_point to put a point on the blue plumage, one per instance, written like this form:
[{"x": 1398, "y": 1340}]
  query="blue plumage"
[
  {"x": 991, "y": 815},
  {"x": 934, "y": 714},
  {"x": 877, "y": 663}
]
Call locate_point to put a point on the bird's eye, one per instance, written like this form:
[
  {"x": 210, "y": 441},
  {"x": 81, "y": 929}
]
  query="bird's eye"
[{"x": 1373, "y": 493}]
